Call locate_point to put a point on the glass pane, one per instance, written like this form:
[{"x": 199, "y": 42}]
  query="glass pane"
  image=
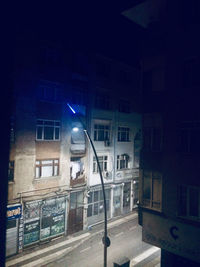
[
  {"x": 193, "y": 202},
  {"x": 39, "y": 132},
  {"x": 90, "y": 197},
  {"x": 72, "y": 201},
  {"x": 89, "y": 210},
  {"x": 182, "y": 205},
  {"x": 96, "y": 208},
  {"x": 48, "y": 122},
  {"x": 45, "y": 162},
  {"x": 79, "y": 199},
  {"x": 55, "y": 170},
  {"x": 57, "y": 133},
  {"x": 101, "y": 207},
  {"x": 96, "y": 193},
  {"x": 46, "y": 171},
  {"x": 48, "y": 133},
  {"x": 37, "y": 173},
  {"x": 156, "y": 190},
  {"x": 147, "y": 188},
  {"x": 55, "y": 160}
]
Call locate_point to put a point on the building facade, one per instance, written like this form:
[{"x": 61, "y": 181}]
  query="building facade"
[
  {"x": 54, "y": 187},
  {"x": 169, "y": 184}
]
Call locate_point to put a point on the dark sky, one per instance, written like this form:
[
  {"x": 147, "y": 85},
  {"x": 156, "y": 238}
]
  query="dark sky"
[{"x": 96, "y": 26}]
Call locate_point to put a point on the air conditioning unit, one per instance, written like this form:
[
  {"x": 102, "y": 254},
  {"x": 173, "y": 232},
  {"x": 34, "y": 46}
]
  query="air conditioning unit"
[{"x": 107, "y": 143}]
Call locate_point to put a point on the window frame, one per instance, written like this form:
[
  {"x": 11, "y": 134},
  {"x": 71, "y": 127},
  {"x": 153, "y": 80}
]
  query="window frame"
[
  {"x": 42, "y": 127},
  {"x": 187, "y": 200},
  {"x": 122, "y": 160},
  {"x": 103, "y": 162},
  {"x": 40, "y": 165},
  {"x": 150, "y": 202},
  {"x": 98, "y": 129},
  {"x": 11, "y": 169},
  {"x": 123, "y": 130},
  {"x": 150, "y": 144}
]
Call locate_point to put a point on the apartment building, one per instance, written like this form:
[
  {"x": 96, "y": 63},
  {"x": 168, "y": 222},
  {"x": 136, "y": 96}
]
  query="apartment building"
[
  {"x": 169, "y": 167},
  {"x": 54, "y": 187}
]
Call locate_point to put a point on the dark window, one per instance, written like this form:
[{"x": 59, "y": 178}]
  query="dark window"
[
  {"x": 101, "y": 132},
  {"x": 123, "y": 134},
  {"x": 11, "y": 171},
  {"x": 102, "y": 101},
  {"x": 124, "y": 106},
  {"x": 147, "y": 81},
  {"x": 188, "y": 201},
  {"x": 48, "y": 130},
  {"x": 152, "y": 138}
]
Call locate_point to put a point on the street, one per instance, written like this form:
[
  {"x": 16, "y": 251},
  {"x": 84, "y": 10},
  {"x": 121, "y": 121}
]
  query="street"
[{"x": 125, "y": 242}]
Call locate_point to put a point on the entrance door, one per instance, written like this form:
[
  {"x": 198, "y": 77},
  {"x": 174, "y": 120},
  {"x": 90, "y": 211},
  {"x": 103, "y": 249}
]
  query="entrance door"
[
  {"x": 126, "y": 197},
  {"x": 75, "y": 217}
]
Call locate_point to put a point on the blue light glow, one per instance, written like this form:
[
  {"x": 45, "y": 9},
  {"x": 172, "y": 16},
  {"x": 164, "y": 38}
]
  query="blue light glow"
[{"x": 71, "y": 108}]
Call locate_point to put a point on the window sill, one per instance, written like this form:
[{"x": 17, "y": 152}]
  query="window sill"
[{"x": 41, "y": 179}]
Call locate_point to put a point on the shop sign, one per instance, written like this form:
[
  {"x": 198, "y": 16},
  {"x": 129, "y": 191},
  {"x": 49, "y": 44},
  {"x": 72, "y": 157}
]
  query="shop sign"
[
  {"x": 14, "y": 212},
  {"x": 175, "y": 237}
]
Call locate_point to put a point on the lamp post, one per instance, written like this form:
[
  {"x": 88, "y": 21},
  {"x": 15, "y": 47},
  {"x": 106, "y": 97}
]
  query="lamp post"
[{"x": 105, "y": 240}]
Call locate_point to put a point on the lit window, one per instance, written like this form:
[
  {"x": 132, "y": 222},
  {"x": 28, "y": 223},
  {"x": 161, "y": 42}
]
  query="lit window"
[
  {"x": 48, "y": 130},
  {"x": 47, "y": 168},
  {"x": 123, "y": 134},
  {"x": 152, "y": 190},
  {"x": 103, "y": 162}
]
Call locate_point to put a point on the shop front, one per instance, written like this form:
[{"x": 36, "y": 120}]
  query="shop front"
[
  {"x": 13, "y": 215},
  {"x": 95, "y": 211},
  {"x": 44, "y": 219}
]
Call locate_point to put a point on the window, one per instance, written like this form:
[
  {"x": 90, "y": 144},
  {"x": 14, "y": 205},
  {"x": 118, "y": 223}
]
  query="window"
[
  {"x": 11, "y": 171},
  {"x": 102, "y": 101},
  {"x": 122, "y": 161},
  {"x": 147, "y": 81},
  {"x": 48, "y": 130},
  {"x": 189, "y": 201},
  {"x": 96, "y": 204},
  {"x": 76, "y": 168},
  {"x": 189, "y": 141},
  {"x": 49, "y": 92},
  {"x": 103, "y": 162},
  {"x": 125, "y": 77},
  {"x": 152, "y": 189},
  {"x": 47, "y": 168},
  {"x": 123, "y": 134},
  {"x": 103, "y": 69},
  {"x": 152, "y": 138},
  {"x": 124, "y": 106},
  {"x": 101, "y": 132},
  {"x": 191, "y": 72},
  {"x": 12, "y": 130}
]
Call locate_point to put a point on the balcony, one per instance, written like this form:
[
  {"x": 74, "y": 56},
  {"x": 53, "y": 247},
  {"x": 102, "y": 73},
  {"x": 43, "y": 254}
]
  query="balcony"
[
  {"x": 127, "y": 174},
  {"x": 78, "y": 148}
]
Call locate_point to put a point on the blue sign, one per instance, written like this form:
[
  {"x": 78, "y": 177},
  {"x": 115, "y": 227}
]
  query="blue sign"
[{"x": 14, "y": 212}]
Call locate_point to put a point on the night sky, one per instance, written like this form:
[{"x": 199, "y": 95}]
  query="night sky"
[{"x": 97, "y": 26}]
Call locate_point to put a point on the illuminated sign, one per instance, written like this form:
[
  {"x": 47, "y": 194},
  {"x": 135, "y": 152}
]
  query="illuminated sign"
[{"x": 14, "y": 212}]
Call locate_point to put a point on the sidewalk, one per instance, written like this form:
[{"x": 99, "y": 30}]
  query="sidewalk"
[{"x": 57, "y": 248}]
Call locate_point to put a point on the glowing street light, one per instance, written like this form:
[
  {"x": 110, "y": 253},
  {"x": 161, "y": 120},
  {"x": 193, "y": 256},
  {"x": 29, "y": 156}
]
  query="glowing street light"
[{"x": 105, "y": 240}]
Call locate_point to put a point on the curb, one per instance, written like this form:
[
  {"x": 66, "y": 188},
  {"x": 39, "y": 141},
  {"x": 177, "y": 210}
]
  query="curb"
[{"x": 42, "y": 261}]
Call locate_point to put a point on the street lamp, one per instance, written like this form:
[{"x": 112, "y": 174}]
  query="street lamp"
[{"x": 105, "y": 240}]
